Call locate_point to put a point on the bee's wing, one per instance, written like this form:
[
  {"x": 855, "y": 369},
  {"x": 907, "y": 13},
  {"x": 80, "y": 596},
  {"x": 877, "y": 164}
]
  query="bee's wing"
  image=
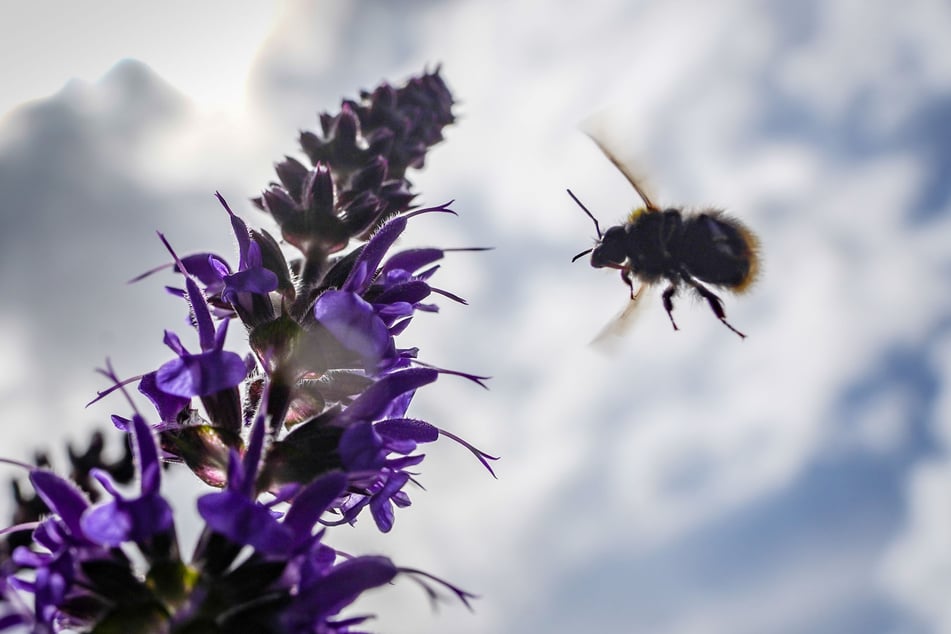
[
  {"x": 621, "y": 323},
  {"x": 624, "y": 169}
]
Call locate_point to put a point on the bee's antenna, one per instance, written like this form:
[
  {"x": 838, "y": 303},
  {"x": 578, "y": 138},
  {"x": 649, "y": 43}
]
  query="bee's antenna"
[
  {"x": 583, "y": 253},
  {"x": 597, "y": 227}
]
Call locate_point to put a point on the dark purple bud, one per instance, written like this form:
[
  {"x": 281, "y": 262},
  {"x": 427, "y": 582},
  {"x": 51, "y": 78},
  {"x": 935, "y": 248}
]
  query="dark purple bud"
[
  {"x": 384, "y": 97},
  {"x": 371, "y": 176},
  {"x": 279, "y": 204},
  {"x": 292, "y": 174},
  {"x": 362, "y": 212},
  {"x": 318, "y": 194},
  {"x": 326, "y": 122},
  {"x": 272, "y": 258},
  {"x": 346, "y": 128},
  {"x": 380, "y": 141}
]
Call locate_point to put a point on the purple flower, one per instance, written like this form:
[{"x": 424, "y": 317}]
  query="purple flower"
[
  {"x": 318, "y": 220},
  {"x": 211, "y": 370},
  {"x": 298, "y": 437},
  {"x": 168, "y": 406},
  {"x": 328, "y": 590},
  {"x": 63, "y": 546},
  {"x": 131, "y": 519},
  {"x": 212, "y": 374},
  {"x": 370, "y": 440},
  {"x": 289, "y": 581},
  {"x": 374, "y": 303},
  {"x": 365, "y": 447},
  {"x": 245, "y": 292},
  {"x": 75, "y": 565},
  {"x": 235, "y": 513},
  {"x": 251, "y": 276},
  {"x": 357, "y": 326},
  {"x": 247, "y": 289}
]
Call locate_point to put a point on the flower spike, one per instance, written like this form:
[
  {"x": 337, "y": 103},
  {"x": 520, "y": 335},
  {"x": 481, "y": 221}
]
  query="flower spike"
[{"x": 306, "y": 431}]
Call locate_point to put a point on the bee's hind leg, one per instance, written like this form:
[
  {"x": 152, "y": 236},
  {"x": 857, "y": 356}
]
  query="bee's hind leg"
[
  {"x": 668, "y": 299},
  {"x": 715, "y": 303}
]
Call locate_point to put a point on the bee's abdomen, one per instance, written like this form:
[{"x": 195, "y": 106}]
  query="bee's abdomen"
[{"x": 718, "y": 250}]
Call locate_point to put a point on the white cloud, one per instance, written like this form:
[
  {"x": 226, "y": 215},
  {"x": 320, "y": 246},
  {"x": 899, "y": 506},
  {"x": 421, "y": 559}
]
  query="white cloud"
[
  {"x": 679, "y": 433},
  {"x": 203, "y": 49},
  {"x": 916, "y": 567}
]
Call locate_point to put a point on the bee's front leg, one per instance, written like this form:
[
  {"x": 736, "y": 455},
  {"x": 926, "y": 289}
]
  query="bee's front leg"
[{"x": 626, "y": 276}]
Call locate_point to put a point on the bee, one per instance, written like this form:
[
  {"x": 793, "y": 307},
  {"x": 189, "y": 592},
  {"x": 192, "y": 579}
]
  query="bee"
[{"x": 685, "y": 249}]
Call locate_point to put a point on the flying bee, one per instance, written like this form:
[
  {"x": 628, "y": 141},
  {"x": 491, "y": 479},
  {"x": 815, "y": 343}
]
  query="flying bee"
[{"x": 691, "y": 249}]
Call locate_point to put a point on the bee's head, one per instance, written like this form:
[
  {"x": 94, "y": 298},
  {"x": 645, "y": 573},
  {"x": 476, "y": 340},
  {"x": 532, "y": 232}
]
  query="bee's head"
[{"x": 609, "y": 250}]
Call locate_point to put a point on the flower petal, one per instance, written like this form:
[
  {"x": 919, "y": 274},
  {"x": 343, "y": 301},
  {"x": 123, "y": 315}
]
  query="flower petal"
[
  {"x": 353, "y": 321},
  {"x": 201, "y": 374},
  {"x": 244, "y": 522}
]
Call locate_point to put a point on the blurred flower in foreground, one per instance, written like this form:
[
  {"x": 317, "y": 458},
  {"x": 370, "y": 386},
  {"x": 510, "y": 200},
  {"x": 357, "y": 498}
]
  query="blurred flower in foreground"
[{"x": 303, "y": 432}]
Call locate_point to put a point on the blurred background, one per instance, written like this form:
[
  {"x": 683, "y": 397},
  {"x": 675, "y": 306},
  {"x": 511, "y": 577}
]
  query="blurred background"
[{"x": 687, "y": 482}]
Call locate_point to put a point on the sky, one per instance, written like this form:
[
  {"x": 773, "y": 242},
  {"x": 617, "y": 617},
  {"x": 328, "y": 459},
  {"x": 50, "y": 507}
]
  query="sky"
[{"x": 683, "y": 482}]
